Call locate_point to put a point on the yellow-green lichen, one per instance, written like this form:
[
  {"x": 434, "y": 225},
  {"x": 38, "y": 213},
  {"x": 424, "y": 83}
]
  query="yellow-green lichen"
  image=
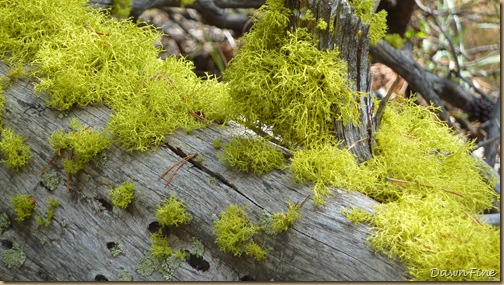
[
  {"x": 377, "y": 21},
  {"x": 321, "y": 24},
  {"x": 83, "y": 142},
  {"x": 14, "y": 257},
  {"x": 252, "y": 154},
  {"x": 23, "y": 205},
  {"x": 122, "y": 195},
  {"x": 160, "y": 246},
  {"x": 280, "y": 222},
  {"x": 280, "y": 80},
  {"x": 172, "y": 213},
  {"x": 124, "y": 275},
  {"x": 217, "y": 143},
  {"x": 15, "y": 152},
  {"x": 121, "y": 8},
  {"x": 395, "y": 40},
  {"x": 49, "y": 214},
  {"x": 234, "y": 233}
]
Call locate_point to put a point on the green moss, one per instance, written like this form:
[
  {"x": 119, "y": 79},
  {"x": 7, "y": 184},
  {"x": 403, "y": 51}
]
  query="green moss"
[
  {"x": 172, "y": 213},
  {"x": 282, "y": 81},
  {"x": 15, "y": 152},
  {"x": 199, "y": 159},
  {"x": 234, "y": 233},
  {"x": 377, "y": 21},
  {"x": 51, "y": 179},
  {"x": 2, "y": 104},
  {"x": 49, "y": 215},
  {"x": 252, "y": 154},
  {"x": 217, "y": 143},
  {"x": 15, "y": 72},
  {"x": 160, "y": 246},
  {"x": 14, "y": 257},
  {"x": 5, "y": 222},
  {"x": 121, "y": 8},
  {"x": 83, "y": 142},
  {"x": 356, "y": 215},
  {"x": 321, "y": 24},
  {"x": 23, "y": 205},
  {"x": 279, "y": 222},
  {"x": 122, "y": 195}
]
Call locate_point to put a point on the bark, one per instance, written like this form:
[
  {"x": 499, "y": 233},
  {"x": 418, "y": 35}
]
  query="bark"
[{"x": 322, "y": 245}]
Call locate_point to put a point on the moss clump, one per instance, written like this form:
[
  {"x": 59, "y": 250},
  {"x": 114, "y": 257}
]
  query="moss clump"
[
  {"x": 282, "y": 81},
  {"x": 234, "y": 233},
  {"x": 172, "y": 213},
  {"x": 16, "y": 153},
  {"x": 83, "y": 143},
  {"x": 377, "y": 21},
  {"x": 395, "y": 40},
  {"x": 160, "y": 246},
  {"x": 252, "y": 154},
  {"x": 280, "y": 222},
  {"x": 217, "y": 143},
  {"x": 5, "y": 222},
  {"x": 53, "y": 204},
  {"x": 23, "y": 205},
  {"x": 14, "y": 257},
  {"x": 121, "y": 8},
  {"x": 123, "y": 195}
]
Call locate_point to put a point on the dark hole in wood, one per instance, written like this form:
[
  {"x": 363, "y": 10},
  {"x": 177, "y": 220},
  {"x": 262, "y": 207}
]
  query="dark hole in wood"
[
  {"x": 100, "y": 277},
  {"x": 247, "y": 278},
  {"x": 198, "y": 263},
  {"x": 43, "y": 275},
  {"x": 111, "y": 245},
  {"x": 6, "y": 243},
  {"x": 154, "y": 227},
  {"x": 104, "y": 204}
]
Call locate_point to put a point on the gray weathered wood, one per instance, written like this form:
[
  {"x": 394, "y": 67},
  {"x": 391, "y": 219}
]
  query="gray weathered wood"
[{"x": 322, "y": 245}]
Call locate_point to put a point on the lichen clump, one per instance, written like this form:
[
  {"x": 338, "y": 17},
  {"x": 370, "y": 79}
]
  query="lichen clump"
[
  {"x": 234, "y": 233},
  {"x": 279, "y": 79},
  {"x": 172, "y": 213},
  {"x": 15, "y": 152},
  {"x": 49, "y": 215},
  {"x": 123, "y": 195},
  {"x": 14, "y": 257},
  {"x": 83, "y": 142},
  {"x": 280, "y": 221},
  {"x": 377, "y": 21},
  {"x": 24, "y": 205},
  {"x": 252, "y": 154}
]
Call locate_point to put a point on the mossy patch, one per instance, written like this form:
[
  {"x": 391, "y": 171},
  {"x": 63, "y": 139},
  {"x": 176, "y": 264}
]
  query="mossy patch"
[
  {"x": 49, "y": 213},
  {"x": 24, "y": 205},
  {"x": 15, "y": 152},
  {"x": 172, "y": 212},
  {"x": 122, "y": 195}
]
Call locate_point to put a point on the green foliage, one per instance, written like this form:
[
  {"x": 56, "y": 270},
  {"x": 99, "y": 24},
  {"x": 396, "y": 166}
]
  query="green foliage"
[
  {"x": 16, "y": 153},
  {"x": 14, "y": 257},
  {"x": 160, "y": 246},
  {"x": 377, "y": 21},
  {"x": 234, "y": 233},
  {"x": 254, "y": 154},
  {"x": 23, "y": 205},
  {"x": 121, "y": 8},
  {"x": 172, "y": 213},
  {"x": 281, "y": 80},
  {"x": 123, "y": 195},
  {"x": 53, "y": 204},
  {"x": 83, "y": 142},
  {"x": 5, "y": 222}
]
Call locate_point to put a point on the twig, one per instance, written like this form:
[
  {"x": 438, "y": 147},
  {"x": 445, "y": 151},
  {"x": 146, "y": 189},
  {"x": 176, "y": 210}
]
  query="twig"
[
  {"x": 47, "y": 164},
  {"x": 178, "y": 164},
  {"x": 473, "y": 219},
  {"x": 383, "y": 102},
  {"x": 393, "y": 180},
  {"x": 356, "y": 142}
]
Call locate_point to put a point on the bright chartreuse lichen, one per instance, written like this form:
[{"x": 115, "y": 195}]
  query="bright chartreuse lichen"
[
  {"x": 24, "y": 205},
  {"x": 252, "y": 154},
  {"x": 172, "y": 213},
  {"x": 234, "y": 233},
  {"x": 49, "y": 215},
  {"x": 14, "y": 257},
  {"x": 160, "y": 246},
  {"x": 395, "y": 40},
  {"x": 121, "y": 8},
  {"x": 83, "y": 143},
  {"x": 377, "y": 21},
  {"x": 280, "y": 222},
  {"x": 280, "y": 80},
  {"x": 15, "y": 152},
  {"x": 122, "y": 195}
]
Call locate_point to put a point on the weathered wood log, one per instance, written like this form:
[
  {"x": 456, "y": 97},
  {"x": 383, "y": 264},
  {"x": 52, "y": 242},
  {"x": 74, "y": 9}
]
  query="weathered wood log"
[{"x": 322, "y": 245}]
